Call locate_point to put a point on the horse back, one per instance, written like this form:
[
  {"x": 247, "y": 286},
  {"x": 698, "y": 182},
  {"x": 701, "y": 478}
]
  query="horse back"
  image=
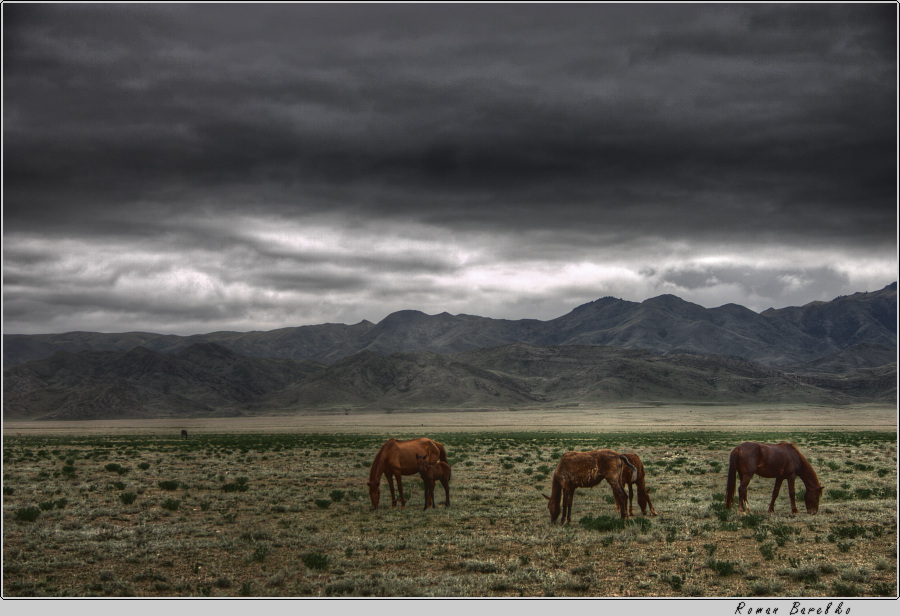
[
  {"x": 578, "y": 469},
  {"x": 439, "y": 470},
  {"x": 407, "y": 451},
  {"x": 608, "y": 461},
  {"x": 779, "y": 460}
]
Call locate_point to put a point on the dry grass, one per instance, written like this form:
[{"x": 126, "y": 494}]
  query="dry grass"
[{"x": 287, "y": 514}]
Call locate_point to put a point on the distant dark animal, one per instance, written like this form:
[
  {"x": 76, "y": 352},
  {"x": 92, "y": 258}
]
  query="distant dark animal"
[
  {"x": 628, "y": 477},
  {"x": 396, "y": 458},
  {"x": 430, "y": 472},
  {"x": 585, "y": 469},
  {"x": 184, "y": 434},
  {"x": 781, "y": 461}
]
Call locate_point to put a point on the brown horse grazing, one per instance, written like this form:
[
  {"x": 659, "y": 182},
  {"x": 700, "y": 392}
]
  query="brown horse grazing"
[
  {"x": 184, "y": 434},
  {"x": 585, "y": 469},
  {"x": 396, "y": 458},
  {"x": 430, "y": 472},
  {"x": 631, "y": 479},
  {"x": 781, "y": 461}
]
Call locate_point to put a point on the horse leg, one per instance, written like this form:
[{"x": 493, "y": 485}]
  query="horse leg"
[
  {"x": 775, "y": 491},
  {"x": 649, "y": 502},
  {"x": 568, "y": 497},
  {"x": 429, "y": 488},
  {"x": 400, "y": 491},
  {"x": 446, "y": 485},
  {"x": 791, "y": 488},
  {"x": 742, "y": 493},
  {"x": 621, "y": 500},
  {"x": 390, "y": 479},
  {"x": 631, "y": 500}
]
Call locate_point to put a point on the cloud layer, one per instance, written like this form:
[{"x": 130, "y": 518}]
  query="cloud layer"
[{"x": 189, "y": 168}]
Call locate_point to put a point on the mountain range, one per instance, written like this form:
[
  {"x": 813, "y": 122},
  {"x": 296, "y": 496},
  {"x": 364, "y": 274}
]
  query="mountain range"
[{"x": 661, "y": 350}]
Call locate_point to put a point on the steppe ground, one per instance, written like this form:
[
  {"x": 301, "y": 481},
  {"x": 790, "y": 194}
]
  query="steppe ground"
[{"x": 278, "y": 507}]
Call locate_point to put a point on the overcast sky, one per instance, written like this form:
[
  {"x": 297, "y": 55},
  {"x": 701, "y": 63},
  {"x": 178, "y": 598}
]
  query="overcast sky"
[{"x": 186, "y": 169}]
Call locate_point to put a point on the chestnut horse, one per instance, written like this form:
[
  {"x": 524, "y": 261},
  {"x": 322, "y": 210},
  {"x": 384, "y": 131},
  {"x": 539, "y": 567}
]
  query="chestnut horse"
[
  {"x": 430, "y": 472},
  {"x": 781, "y": 461},
  {"x": 637, "y": 479},
  {"x": 396, "y": 458},
  {"x": 585, "y": 469}
]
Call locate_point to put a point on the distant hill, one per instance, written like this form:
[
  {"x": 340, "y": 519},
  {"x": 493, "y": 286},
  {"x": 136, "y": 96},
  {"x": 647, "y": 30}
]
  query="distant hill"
[
  {"x": 856, "y": 357},
  {"x": 779, "y": 338},
  {"x": 209, "y": 380},
  {"x": 204, "y": 379}
]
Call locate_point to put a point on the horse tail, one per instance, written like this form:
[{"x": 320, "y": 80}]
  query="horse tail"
[
  {"x": 732, "y": 479},
  {"x": 630, "y": 465},
  {"x": 442, "y": 452}
]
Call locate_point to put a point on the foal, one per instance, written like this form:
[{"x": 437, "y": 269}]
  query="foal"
[{"x": 431, "y": 472}]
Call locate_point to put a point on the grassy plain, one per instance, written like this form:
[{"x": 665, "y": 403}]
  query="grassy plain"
[{"x": 279, "y": 507}]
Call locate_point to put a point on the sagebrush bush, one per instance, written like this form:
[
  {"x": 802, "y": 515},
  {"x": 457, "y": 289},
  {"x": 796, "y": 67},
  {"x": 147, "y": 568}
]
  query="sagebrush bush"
[
  {"x": 28, "y": 514},
  {"x": 116, "y": 468},
  {"x": 314, "y": 560}
]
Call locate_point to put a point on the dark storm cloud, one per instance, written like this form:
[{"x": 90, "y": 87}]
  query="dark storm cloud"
[{"x": 464, "y": 136}]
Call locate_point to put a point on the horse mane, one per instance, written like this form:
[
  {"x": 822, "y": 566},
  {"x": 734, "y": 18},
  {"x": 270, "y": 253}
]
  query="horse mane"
[
  {"x": 374, "y": 476},
  {"x": 808, "y": 472},
  {"x": 803, "y": 459}
]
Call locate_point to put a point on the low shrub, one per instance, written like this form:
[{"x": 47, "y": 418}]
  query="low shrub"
[
  {"x": 722, "y": 567},
  {"x": 238, "y": 485},
  {"x": 314, "y": 560},
  {"x": 768, "y": 551},
  {"x": 605, "y": 523},
  {"x": 839, "y": 589},
  {"x": 115, "y": 468},
  {"x": 27, "y": 514}
]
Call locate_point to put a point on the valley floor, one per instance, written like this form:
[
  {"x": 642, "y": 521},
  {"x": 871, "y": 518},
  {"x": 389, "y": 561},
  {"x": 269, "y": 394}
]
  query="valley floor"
[
  {"x": 282, "y": 509},
  {"x": 609, "y": 418}
]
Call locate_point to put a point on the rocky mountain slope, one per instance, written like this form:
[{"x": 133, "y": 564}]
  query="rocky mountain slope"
[
  {"x": 661, "y": 350},
  {"x": 780, "y": 338},
  {"x": 209, "y": 380}
]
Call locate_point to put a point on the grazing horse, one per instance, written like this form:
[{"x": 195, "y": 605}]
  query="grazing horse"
[
  {"x": 184, "y": 434},
  {"x": 631, "y": 479},
  {"x": 396, "y": 458},
  {"x": 781, "y": 461},
  {"x": 430, "y": 472},
  {"x": 585, "y": 469}
]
